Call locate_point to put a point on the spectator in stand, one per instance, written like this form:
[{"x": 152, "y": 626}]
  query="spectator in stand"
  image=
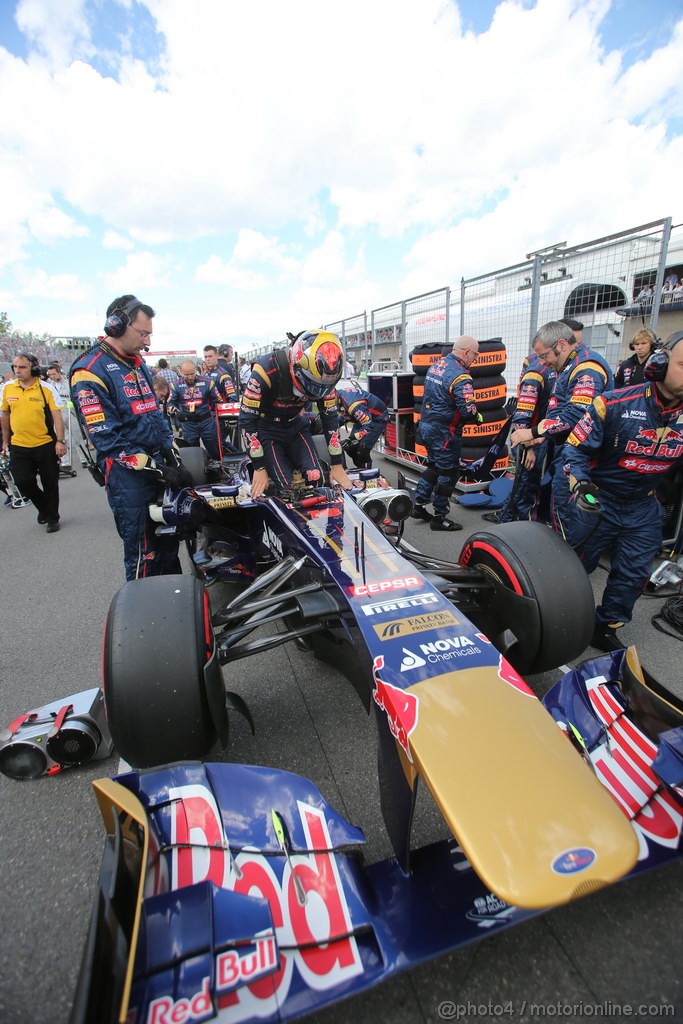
[
  {"x": 645, "y": 293},
  {"x": 165, "y": 371},
  {"x": 677, "y": 293},
  {"x": 631, "y": 370},
  {"x": 221, "y": 378}
]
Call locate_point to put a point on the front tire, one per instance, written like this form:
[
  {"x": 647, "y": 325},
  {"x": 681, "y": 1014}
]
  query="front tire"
[
  {"x": 541, "y": 593},
  {"x": 163, "y": 687}
]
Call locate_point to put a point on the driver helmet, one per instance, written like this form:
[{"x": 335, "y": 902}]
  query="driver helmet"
[{"x": 317, "y": 361}]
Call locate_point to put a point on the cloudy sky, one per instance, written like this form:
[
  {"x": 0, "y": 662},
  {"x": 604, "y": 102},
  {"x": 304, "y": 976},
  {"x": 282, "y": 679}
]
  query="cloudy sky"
[{"x": 252, "y": 168}]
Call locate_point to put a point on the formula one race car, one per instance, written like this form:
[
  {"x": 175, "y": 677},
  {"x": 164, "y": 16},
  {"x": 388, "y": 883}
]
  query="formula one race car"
[{"x": 237, "y": 893}]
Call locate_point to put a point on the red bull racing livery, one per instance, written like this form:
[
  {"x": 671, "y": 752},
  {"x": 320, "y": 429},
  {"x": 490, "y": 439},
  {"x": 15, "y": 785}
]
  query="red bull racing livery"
[{"x": 247, "y": 897}]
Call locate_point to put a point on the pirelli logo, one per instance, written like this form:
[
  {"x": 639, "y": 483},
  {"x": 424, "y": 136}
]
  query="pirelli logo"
[{"x": 414, "y": 624}]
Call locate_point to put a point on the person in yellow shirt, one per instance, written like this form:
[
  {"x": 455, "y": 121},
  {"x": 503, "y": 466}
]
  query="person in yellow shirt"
[{"x": 33, "y": 433}]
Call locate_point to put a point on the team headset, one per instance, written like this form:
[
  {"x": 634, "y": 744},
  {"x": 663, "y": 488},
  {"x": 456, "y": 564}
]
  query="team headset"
[
  {"x": 654, "y": 341},
  {"x": 657, "y": 365},
  {"x": 33, "y": 363},
  {"x": 117, "y": 324}
]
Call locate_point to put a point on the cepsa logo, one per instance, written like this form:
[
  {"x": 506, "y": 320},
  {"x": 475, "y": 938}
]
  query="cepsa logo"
[
  {"x": 401, "y": 583},
  {"x": 313, "y": 939}
]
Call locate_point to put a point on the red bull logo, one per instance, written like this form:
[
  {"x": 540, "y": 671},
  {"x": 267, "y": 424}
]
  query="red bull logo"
[
  {"x": 673, "y": 435},
  {"x": 647, "y": 434},
  {"x": 312, "y": 938},
  {"x": 400, "y": 707},
  {"x": 508, "y": 674}
]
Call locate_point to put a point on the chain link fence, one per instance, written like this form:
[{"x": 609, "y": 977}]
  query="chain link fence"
[{"x": 592, "y": 283}]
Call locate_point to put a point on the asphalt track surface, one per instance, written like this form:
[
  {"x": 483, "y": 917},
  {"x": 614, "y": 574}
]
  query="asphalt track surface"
[{"x": 618, "y": 948}]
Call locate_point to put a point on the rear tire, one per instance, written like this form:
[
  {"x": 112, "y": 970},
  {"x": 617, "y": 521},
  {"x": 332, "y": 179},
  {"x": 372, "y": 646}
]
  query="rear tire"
[
  {"x": 161, "y": 677},
  {"x": 529, "y": 561}
]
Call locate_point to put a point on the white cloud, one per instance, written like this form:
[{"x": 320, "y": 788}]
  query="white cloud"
[
  {"x": 115, "y": 240},
  {"x": 140, "y": 270},
  {"x": 51, "y": 224},
  {"x": 34, "y": 282},
  {"x": 301, "y": 139},
  {"x": 57, "y": 30}
]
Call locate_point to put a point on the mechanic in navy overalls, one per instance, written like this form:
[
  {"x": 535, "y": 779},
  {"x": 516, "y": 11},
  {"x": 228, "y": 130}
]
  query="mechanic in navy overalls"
[
  {"x": 111, "y": 388},
  {"x": 612, "y": 461},
  {"x": 448, "y": 404},
  {"x": 192, "y": 401},
  {"x": 582, "y": 375},
  {"x": 533, "y": 396},
  {"x": 369, "y": 416},
  {"x": 221, "y": 378},
  {"x": 272, "y": 413}
]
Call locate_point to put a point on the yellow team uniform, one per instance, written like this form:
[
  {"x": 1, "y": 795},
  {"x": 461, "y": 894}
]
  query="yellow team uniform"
[{"x": 27, "y": 413}]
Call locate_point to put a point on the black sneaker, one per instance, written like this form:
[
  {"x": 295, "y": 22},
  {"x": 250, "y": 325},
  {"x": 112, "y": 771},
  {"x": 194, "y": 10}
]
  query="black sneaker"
[
  {"x": 420, "y": 512},
  {"x": 41, "y": 519},
  {"x": 490, "y": 517},
  {"x": 605, "y": 638},
  {"x": 441, "y": 523},
  {"x": 52, "y": 526}
]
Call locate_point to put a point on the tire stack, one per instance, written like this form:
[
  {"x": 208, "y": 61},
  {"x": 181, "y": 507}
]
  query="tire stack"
[{"x": 490, "y": 394}]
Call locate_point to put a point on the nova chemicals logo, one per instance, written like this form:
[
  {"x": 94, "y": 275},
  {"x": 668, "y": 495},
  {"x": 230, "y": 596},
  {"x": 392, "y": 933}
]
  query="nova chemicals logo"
[
  {"x": 411, "y": 661},
  {"x": 572, "y": 861}
]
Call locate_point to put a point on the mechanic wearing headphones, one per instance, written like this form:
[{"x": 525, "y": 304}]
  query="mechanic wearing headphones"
[
  {"x": 533, "y": 395},
  {"x": 447, "y": 405},
  {"x": 582, "y": 375},
  {"x": 369, "y": 416},
  {"x": 272, "y": 412},
  {"x": 221, "y": 378},
  {"x": 631, "y": 371},
  {"x": 37, "y": 444},
  {"x": 625, "y": 441},
  {"x": 112, "y": 391},
  {"x": 192, "y": 401}
]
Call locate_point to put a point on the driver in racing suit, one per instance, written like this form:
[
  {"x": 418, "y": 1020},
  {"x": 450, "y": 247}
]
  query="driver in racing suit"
[
  {"x": 111, "y": 388},
  {"x": 582, "y": 375},
  {"x": 272, "y": 412},
  {"x": 626, "y": 440},
  {"x": 369, "y": 416}
]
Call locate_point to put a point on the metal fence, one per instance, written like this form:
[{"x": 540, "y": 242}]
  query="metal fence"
[
  {"x": 604, "y": 284},
  {"x": 593, "y": 283},
  {"x": 382, "y": 343}
]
